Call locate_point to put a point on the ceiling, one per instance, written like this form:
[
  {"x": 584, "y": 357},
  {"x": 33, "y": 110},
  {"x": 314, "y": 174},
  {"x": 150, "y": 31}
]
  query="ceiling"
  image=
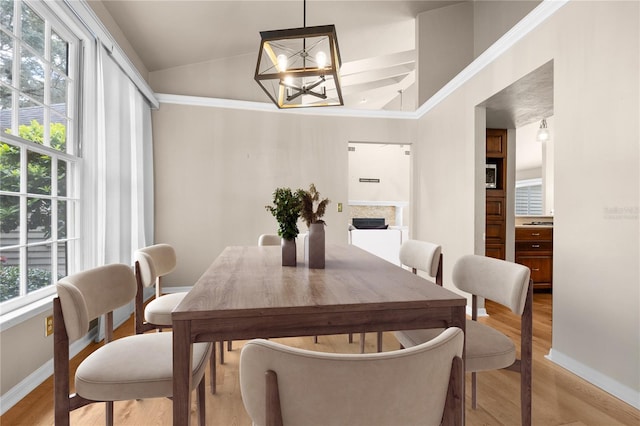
[
  {"x": 527, "y": 100},
  {"x": 376, "y": 38},
  {"x": 522, "y": 105}
]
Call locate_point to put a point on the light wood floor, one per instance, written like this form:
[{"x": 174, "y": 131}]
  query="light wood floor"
[{"x": 559, "y": 397}]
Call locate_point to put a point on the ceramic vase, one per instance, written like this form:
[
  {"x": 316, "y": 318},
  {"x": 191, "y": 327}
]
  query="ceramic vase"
[
  {"x": 289, "y": 252},
  {"x": 315, "y": 249}
]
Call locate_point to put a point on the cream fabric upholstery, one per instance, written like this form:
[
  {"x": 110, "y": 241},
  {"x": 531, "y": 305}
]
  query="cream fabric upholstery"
[
  {"x": 503, "y": 282},
  {"x": 155, "y": 261},
  {"x": 152, "y": 263},
  {"x": 87, "y": 295},
  {"x": 488, "y": 349},
  {"x": 388, "y": 388},
  {"x": 421, "y": 255},
  {"x": 158, "y": 311},
  {"x": 135, "y": 367},
  {"x": 269, "y": 240}
]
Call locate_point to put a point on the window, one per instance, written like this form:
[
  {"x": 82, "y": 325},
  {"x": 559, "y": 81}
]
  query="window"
[
  {"x": 529, "y": 197},
  {"x": 39, "y": 68}
]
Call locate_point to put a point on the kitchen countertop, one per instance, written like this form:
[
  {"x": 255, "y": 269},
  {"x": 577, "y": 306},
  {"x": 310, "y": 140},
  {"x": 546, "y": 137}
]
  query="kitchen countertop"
[{"x": 535, "y": 225}]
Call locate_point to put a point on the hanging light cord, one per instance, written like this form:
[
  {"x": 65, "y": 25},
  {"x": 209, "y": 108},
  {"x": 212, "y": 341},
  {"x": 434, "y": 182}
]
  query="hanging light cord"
[{"x": 304, "y": 39}]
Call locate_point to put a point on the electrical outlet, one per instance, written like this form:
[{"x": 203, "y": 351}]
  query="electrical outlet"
[
  {"x": 48, "y": 326},
  {"x": 339, "y": 207}
]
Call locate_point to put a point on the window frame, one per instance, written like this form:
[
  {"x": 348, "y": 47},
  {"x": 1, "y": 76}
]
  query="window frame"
[
  {"x": 53, "y": 23},
  {"x": 528, "y": 183}
]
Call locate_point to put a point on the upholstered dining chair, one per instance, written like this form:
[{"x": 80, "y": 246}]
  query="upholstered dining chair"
[
  {"x": 508, "y": 284},
  {"x": 269, "y": 240},
  {"x": 133, "y": 367},
  {"x": 419, "y": 256},
  {"x": 421, "y": 385},
  {"x": 151, "y": 264}
]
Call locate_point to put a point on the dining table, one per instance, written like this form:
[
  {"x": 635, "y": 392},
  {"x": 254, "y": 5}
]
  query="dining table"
[{"x": 246, "y": 293}]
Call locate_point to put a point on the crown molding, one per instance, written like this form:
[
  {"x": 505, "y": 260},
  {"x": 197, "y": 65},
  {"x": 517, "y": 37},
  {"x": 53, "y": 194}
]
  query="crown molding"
[{"x": 165, "y": 98}]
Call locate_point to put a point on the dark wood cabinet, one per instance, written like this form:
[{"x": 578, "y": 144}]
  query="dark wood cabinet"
[
  {"x": 534, "y": 249},
  {"x": 495, "y": 217}
]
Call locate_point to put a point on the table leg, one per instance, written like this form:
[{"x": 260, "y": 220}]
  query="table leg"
[
  {"x": 182, "y": 358},
  {"x": 461, "y": 317}
]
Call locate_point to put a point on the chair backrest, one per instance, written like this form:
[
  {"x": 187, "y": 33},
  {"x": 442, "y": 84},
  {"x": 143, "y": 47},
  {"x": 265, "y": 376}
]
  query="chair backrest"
[
  {"x": 504, "y": 282},
  {"x": 399, "y": 387},
  {"x": 269, "y": 240},
  {"x": 155, "y": 261},
  {"x": 423, "y": 256},
  {"x": 87, "y": 295}
]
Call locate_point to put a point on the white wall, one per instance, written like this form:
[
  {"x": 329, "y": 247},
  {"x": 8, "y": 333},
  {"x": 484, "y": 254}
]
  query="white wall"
[
  {"x": 444, "y": 40},
  {"x": 596, "y": 303},
  {"x": 493, "y": 18},
  {"x": 216, "y": 169},
  {"x": 387, "y": 162}
]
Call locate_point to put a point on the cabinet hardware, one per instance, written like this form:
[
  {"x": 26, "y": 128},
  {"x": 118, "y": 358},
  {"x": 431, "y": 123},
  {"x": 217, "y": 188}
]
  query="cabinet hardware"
[
  {"x": 535, "y": 245},
  {"x": 535, "y": 234},
  {"x": 535, "y": 269}
]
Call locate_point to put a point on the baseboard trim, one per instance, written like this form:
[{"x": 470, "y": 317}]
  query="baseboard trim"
[
  {"x": 607, "y": 384},
  {"x": 482, "y": 312},
  {"x": 35, "y": 379}
]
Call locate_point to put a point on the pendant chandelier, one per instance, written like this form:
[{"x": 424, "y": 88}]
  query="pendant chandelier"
[{"x": 300, "y": 67}]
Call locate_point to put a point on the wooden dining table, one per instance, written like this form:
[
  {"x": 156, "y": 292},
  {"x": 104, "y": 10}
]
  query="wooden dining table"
[{"x": 246, "y": 293}]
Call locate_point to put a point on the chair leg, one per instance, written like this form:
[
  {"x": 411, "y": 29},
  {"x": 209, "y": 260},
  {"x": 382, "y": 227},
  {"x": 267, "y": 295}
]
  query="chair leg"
[
  {"x": 202, "y": 406},
  {"x": 525, "y": 399},
  {"x": 379, "y": 341},
  {"x": 109, "y": 413},
  {"x": 350, "y": 337},
  {"x": 362, "y": 337},
  {"x": 526, "y": 358},
  {"x": 474, "y": 381},
  {"x": 315, "y": 339},
  {"x": 221, "y": 351},
  {"x": 212, "y": 371},
  {"x": 61, "y": 403},
  {"x": 230, "y": 345}
]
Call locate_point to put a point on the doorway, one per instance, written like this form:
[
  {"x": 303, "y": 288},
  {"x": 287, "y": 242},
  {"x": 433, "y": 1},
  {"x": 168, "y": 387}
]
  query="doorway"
[
  {"x": 520, "y": 109},
  {"x": 379, "y": 191}
]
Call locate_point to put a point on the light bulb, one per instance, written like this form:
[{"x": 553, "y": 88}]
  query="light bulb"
[
  {"x": 288, "y": 81},
  {"x": 282, "y": 62},
  {"x": 543, "y": 131},
  {"x": 321, "y": 59}
]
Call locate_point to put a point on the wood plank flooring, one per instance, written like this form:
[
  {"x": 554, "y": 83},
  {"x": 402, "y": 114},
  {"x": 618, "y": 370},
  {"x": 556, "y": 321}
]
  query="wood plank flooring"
[{"x": 559, "y": 397}]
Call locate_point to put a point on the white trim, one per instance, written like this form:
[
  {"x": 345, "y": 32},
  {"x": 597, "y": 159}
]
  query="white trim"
[
  {"x": 26, "y": 312},
  {"x": 528, "y": 182},
  {"x": 482, "y": 312},
  {"x": 606, "y": 383},
  {"x": 165, "y": 98},
  {"x": 33, "y": 380},
  {"x": 537, "y": 16}
]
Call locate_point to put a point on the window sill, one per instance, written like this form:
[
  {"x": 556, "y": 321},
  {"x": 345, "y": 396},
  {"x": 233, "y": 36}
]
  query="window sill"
[{"x": 25, "y": 313}]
